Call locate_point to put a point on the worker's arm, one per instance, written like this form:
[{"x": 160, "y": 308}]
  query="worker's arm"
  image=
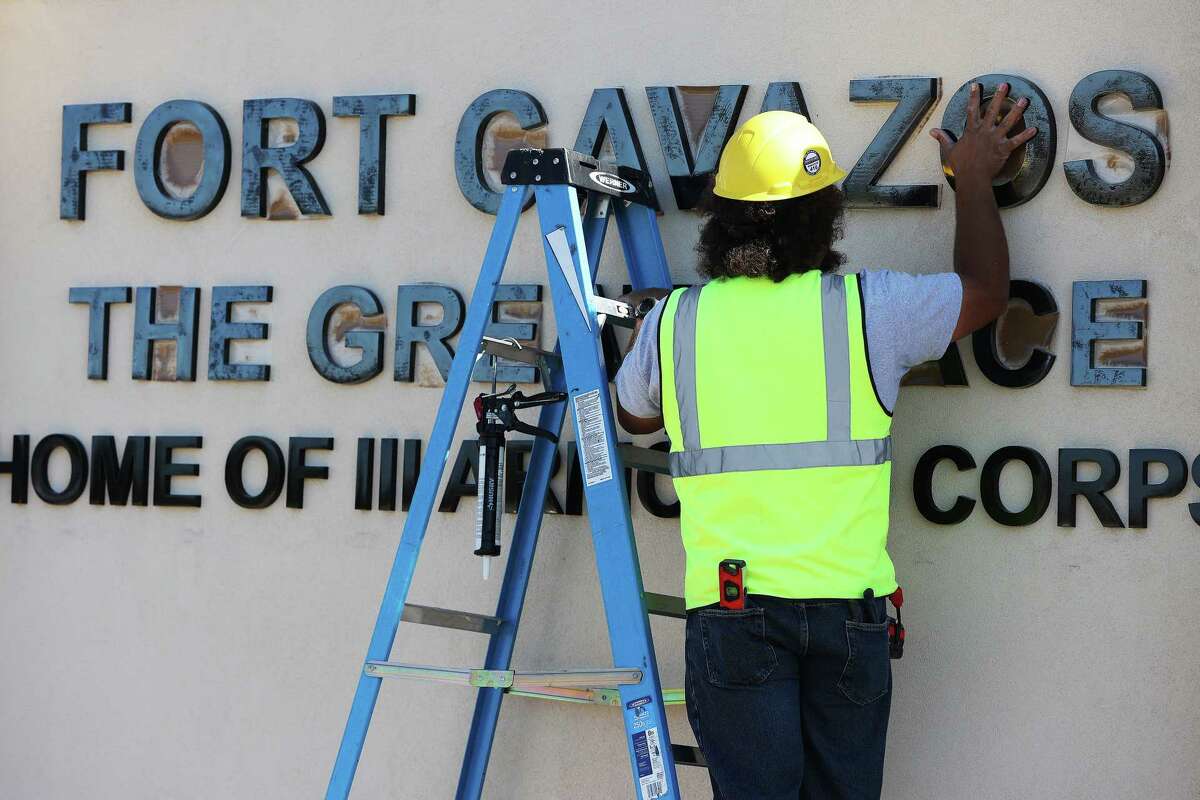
[
  {"x": 631, "y": 422},
  {"x": 980, "y": 249}
]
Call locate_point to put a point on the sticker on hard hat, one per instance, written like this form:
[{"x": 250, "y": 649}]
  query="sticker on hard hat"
[
  {"x": 612, "y": 182},
  {"x": 812, "y": 162}
]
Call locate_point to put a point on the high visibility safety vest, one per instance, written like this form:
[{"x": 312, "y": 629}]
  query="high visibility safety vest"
[{"x": 780, "y": 448}]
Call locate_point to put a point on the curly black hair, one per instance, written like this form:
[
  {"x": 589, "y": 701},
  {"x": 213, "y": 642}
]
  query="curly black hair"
[{"x": 773, "y": 239}]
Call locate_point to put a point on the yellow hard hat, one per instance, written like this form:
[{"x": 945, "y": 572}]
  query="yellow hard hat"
[{"x": 776, "y": 155}]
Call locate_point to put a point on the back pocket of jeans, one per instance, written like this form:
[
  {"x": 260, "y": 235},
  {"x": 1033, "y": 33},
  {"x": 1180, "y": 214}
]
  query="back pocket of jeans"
[
  {"x": 868, "y": 673},
  {"x": 736, "y": 650}
]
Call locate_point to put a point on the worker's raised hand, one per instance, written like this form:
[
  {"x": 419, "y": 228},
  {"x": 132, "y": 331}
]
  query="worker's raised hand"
[{"x": 985, "y": 144}]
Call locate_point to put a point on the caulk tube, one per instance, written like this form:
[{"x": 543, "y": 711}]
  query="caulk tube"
[{"x": 489, "y": 500}]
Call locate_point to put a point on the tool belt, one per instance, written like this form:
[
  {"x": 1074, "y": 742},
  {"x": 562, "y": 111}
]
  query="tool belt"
[{"x": 730, "y": 582}]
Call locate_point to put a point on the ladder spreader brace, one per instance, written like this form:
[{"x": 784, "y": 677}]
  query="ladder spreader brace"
[{"x": 573, "y": 237}]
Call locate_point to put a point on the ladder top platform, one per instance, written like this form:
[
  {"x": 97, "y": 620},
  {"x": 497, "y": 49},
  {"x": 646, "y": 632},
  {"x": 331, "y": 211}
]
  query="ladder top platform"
[{"x": 533, "y": 167}]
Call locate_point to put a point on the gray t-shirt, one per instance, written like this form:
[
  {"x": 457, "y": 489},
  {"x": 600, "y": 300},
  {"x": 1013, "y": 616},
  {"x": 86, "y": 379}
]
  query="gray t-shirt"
[{"x": 909, "y": 320}]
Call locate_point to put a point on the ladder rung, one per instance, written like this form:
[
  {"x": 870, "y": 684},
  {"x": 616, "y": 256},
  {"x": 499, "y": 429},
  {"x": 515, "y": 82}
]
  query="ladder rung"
[
  {"x": 664, "y": 605},
  {"x": 527, "y": 354},
  {"x": 506, "y": 678},
  {"x": 688, "y": 756},
  {"x": 448, "y": 618},
  {"x": 644, "y": 458}
]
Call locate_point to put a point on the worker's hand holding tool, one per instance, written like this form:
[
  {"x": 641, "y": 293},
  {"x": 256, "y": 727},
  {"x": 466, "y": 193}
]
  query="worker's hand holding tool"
[
  {"x": 985, "y": 144},
  {"x": 638, "y": 300},
  {"x": 635, "y": 298}
]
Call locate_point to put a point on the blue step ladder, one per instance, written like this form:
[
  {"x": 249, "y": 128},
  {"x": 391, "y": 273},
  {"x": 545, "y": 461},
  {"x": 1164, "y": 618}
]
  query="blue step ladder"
[{"x": 575, "y": 196}]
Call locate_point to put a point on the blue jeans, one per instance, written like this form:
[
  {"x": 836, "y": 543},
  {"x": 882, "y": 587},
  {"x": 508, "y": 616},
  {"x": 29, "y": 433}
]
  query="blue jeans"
[{"x": 790, "y": 698}]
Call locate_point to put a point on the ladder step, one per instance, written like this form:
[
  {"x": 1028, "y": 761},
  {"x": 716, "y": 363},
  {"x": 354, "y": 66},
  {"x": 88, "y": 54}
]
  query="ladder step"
[
  {"x": 688, "y": 756},
  {"x": 527, "y": 354},
  {"x": 644, "y": 458},
  {"x": 664, "y": 605},
  {"x": 448, "y": 618},
  {"x": 506, "y": 678}
]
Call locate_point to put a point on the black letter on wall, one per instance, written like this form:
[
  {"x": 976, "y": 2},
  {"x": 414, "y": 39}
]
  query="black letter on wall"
[
  {"x": 608, "y": 115},
  {"x": 1093, "y": 491},
  {"x": 183, "y": 332},
  {"x": 1086, "y": 330},
  {"x": 409, "y": 333},
  {"x": 989, "y": 486},
  {"x": 1038, "y": 162},
  {"x": 387, "y": 473},
  {"x": 508, "y": 371},
  {"x": 923, "y": 484},
  {"x": 1149, "y": 159},
  {"x": 298, "y": 471},
  {"x": 364, "y": 473},
  {"x": 131, "y": 473},
  {"x": 785, "y": 96},
  {"x": 462, "y": 476},
  {"x": 18, "y": 467},
  {"x": 946, "y": 371},
  {"x": 40, "y": 469},
  {"x": 373, "y": 111},
  {"x": 222, "y": 333},
  {"x": 288, "y": 161},
  {"x": 986, "y": 347},
  {"x": 236, "y": 459},
  {"x": 370, "y": 342},
  {"x": 217, "y": 155},
  {"x": 515, "y": 454},
  {"x": 609, "y": 347},
  {"x": 468, "y": 143},
  {"x": 573, "y": 500},
  {"x": 165, "y": 469},
  {"x": 1140, "y": 487},
  {"x": 914, "y": 97},
  {"x": 1193, "y": 508},
  {"x": 77, "y": 160},
  {"x": 690, "y": 172},
  {"x": 98, "y": 299},
  {"x": 647, "y": 490}
]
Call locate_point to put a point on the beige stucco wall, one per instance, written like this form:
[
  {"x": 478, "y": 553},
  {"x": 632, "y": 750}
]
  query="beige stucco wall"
[{"x": 182, "y": 653}]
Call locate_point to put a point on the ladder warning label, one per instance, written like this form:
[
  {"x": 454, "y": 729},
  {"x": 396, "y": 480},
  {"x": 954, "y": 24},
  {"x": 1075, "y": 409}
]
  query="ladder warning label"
[
  {"x": 647, "y": 749},
  {"x": 593, "y": 440}
]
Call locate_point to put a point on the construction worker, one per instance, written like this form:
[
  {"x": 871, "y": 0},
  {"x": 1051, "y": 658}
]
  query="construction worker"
[{"x": 775, "y": 382}]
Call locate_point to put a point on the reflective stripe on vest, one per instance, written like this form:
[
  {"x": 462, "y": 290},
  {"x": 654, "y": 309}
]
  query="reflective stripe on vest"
[{"x": 837, "y": 450}]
